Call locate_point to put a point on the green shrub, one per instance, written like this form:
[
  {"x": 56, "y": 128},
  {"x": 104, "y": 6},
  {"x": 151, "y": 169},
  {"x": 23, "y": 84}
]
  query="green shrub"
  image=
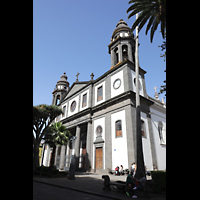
[
  {"x": 44, "y": 169},
  {"x": 159, "y": 180}
]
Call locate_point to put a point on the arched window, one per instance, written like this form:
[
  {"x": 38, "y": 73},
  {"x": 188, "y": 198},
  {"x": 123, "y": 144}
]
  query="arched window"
[
  {"x": 57, "y": 99},
  {"x": 116, "y": 57},
  {"x": 118, "y": 128},
  {"x": 143, "y": 128},
  {"x": 160, "y": 127},
  {"x": 64, "y": 109}
]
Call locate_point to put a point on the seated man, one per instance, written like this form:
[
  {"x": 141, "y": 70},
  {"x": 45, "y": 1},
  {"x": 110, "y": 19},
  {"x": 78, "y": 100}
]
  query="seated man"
[
  {"x": 141, "y": 184},
  {"x": 129, "y": 183}
]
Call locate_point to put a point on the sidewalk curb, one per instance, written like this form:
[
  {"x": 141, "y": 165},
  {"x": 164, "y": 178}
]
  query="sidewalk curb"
[{"x": 70, "y": 188}]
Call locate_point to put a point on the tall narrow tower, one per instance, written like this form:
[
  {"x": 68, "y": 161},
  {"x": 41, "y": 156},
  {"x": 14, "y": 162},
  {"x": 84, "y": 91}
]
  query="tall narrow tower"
[
  {"x": 122, "y": 45},
  {"x": 61, "y": 89}
]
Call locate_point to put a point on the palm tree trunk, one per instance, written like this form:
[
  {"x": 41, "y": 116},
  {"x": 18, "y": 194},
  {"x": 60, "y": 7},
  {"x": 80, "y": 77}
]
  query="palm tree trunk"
[
  {"x": 36, "y": 154},
  {"x": 140, "y": 158}
]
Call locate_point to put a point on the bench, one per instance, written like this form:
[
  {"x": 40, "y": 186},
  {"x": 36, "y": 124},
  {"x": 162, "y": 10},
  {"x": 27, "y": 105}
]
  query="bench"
[{"x": 118, "y": 185}]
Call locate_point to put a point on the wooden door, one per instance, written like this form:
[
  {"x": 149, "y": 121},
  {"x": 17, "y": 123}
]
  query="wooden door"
[{"x": 99, "y": 158}]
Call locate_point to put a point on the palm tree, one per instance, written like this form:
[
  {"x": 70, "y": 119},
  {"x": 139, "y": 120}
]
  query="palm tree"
[
  {"x": 152, "y": 10},
  {"x": 57, "y": 134}
]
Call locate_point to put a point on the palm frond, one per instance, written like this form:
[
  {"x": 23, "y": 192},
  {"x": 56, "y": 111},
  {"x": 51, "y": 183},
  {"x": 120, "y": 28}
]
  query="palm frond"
[
  {"x": 150, "y": 23},
  {"x": 150, "y": 10},
  {"x": 153, "y": 29}
]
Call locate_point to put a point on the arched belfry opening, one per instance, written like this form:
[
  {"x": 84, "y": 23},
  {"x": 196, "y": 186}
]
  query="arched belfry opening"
[
  {"x": 124, "y": 52},
  {"x": 116, "y": 56},
  {"x": 57, "y": 100}
]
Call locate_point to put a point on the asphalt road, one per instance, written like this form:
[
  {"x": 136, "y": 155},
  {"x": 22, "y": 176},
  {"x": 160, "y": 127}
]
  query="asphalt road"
[{"x": 47, "y": 192}]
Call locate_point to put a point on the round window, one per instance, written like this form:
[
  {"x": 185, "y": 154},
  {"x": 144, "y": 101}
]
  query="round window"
[
  {"x": 73, "y": 106},
  {"x": 117, "y": 83}
]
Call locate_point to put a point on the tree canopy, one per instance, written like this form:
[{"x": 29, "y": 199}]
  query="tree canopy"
[
  {"x": 57, "y": 134},
  {"x": 152, "y": 10},
  {"x": 43, "y": 116}
]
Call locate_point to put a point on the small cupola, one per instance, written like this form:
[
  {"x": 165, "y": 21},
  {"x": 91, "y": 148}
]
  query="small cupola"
[
  {"x": 63, "y": 84},
  {"x": 122, "y": 29}
]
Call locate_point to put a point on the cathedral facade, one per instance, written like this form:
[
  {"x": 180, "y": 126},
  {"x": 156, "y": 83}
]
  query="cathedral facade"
[{"x": 101, "y": 113}]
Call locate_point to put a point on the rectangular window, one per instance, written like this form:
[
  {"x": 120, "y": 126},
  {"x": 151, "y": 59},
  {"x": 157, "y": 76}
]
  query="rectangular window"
[
  {"x": 64, "y": 109},
  {"x": 100, "y": 93},
  {"x": 84, "y": 103}
]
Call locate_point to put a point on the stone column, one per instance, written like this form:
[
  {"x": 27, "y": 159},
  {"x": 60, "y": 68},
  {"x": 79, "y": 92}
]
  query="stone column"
[
  {"x": 62, "y": 157},
  {"x": 88, "y": 146},
  {"x": 112, "y": 57},
  {"x": 77, "y": 146},
  {"x": 68, "y": 155}
]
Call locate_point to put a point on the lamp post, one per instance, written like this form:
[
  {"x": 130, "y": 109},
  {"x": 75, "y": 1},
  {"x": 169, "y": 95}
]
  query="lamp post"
[
  {"x": 71, "y": 175},
  {"x": 140, "y": 157}
]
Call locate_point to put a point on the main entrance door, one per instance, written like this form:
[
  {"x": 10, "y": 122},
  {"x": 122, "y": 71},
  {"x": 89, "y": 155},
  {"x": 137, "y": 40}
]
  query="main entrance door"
[{"x": 99, "y": 158}]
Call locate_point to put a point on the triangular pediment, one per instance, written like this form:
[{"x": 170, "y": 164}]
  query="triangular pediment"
[{"x": 75, "y": 88}]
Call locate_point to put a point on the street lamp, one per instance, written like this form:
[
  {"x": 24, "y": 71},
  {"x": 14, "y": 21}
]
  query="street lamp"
[{"x": 71, "y": 175}]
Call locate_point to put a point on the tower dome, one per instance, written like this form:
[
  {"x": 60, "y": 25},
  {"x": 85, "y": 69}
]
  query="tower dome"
[
  {"x": 121, "y": 27},
  {"x": 63, "y": 80}
]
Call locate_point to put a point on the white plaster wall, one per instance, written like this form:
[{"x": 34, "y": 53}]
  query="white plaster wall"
[
  {"x": 119, "y": 145},
  {"x": 159, "y": 145},
  {"x": 97, "y": 122},
  {"x": 69, "y": 105},
  {"x": 140, "y": 80},
  {"x": 96, "y": 88},
  {"x": 146, "y": 144},
  {"x": 83, "y": 93},
  {"x": 115, "y": 92}
]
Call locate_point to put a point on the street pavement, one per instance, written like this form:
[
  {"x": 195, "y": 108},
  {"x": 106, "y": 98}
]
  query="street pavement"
[
  {"x": 43, "y": 191},
  {"x": 85, "y": 186}
]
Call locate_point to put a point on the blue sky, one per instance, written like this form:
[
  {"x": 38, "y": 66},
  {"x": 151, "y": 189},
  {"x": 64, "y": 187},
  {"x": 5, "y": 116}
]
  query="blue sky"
[{"x": 73, "y": 36}]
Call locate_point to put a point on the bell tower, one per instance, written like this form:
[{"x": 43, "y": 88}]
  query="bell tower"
[
  {"x": 122, "y": 45},
  {"x": 61, "y": 89}
]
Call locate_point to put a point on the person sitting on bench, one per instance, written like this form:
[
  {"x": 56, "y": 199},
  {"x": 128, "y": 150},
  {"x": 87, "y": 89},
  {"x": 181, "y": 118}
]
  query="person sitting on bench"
[
  {"x": 129, "y": 184},
  {"x": 141, "y": 185}
]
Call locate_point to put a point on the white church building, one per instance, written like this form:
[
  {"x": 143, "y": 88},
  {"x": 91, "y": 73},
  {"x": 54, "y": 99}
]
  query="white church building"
[{"x": 101, "y": 113}]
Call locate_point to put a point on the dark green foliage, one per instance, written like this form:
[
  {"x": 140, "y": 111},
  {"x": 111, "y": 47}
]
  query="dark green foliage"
[
  {"x": 43, "y": 115},
  {"x": 56, "y": 134},
  {"x": 153, "y": 11},
  {"x": 49, "y": 172},
  {"x": 159, "y": 180}
]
